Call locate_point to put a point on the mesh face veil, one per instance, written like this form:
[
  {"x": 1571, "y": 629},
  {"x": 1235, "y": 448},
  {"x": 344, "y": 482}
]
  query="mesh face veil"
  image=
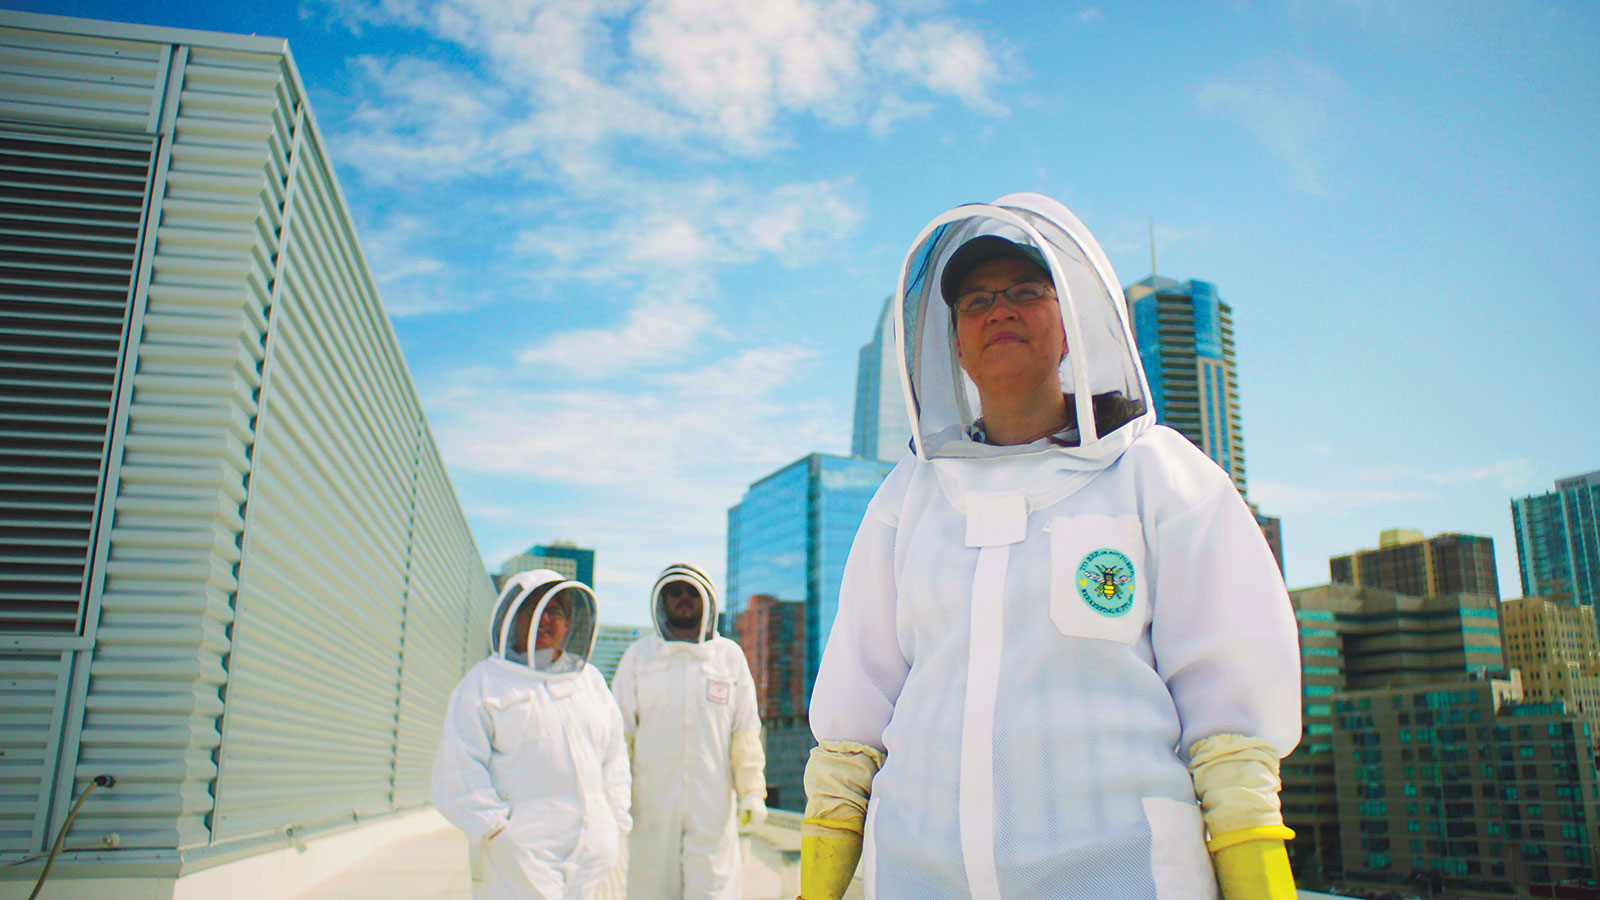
[
  {"x": 1099, "y": 373},
  {"x": 561, "y": 626},
  {"x": 674, "y": 577}
]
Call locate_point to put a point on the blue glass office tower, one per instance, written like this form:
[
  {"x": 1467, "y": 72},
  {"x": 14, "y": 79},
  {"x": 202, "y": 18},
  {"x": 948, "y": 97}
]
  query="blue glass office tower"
[
  {"x": 1558, "y": 541},
  {"x": 563, "y": 557},
  {"x": 1184, "y": 333},
  {"x": 788, "y": 539},
  {"x": 789, "y": 536},
  {"x": 882, "y": 430}
]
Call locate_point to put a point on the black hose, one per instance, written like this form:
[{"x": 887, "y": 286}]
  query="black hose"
[{"x": 61, "y": 836}]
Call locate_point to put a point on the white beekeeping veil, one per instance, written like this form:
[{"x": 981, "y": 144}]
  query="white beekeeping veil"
[
  {"x": 682, "y": 573},
  {"x": 564, "y": 617},
  {"x": 1100, "y": 373}
]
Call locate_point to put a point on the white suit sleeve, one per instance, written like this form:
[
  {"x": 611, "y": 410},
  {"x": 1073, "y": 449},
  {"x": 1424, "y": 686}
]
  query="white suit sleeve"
[
  {"x": 463, "y": 790},
  {"x": 1223, "y": 629},
  {"x": 862, "y": 668},
  {"x": 614, "y": 767}
]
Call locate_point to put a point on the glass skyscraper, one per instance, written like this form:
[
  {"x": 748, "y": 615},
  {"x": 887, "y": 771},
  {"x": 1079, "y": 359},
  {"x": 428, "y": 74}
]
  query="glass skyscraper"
[
  {"x": 790, "y": 534},
  {"x": 1184, "y": 333},
  {"x": 788, "y": 539},
  {"x": 562, "y": 557},
  {"x": 882, "y": 430},
  {"x": 1558, "y": 540}
]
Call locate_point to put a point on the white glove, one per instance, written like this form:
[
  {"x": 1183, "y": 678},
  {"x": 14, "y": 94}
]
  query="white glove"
[{"x": 752, "y": 809}]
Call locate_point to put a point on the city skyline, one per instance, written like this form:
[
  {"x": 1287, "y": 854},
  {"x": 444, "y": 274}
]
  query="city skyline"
[{"x": 626, "y": 299}]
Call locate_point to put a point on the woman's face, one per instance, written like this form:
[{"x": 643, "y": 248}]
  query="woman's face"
[
  {"x": 553, "y": 627},
  {"x": 1008, "y": 347}
]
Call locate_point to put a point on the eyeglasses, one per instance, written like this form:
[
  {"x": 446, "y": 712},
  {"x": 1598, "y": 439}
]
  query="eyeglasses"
[{"x": 1025, "y": 294}]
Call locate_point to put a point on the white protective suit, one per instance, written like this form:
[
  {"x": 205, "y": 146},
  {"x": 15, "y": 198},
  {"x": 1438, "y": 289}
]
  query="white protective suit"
[
  {"x": 532, "y": 763},
  {"x": 1035, "y": 635},
  {"x": 689, "y": 708}
]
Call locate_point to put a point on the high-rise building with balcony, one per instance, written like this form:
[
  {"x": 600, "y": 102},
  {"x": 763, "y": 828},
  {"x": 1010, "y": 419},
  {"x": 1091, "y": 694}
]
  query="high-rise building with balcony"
[
  {"x": 1558, "y": 541},
  {"x": 788, "y": 539},
  {"x": 1359, "y": 638},
  {"x": 1556, "y": 648},
  {"x": 882, "y": 430},
  {"x": 1184, "y": 333},
  {"x": 1407, "y": 563},
  {"x": 1465, "y": 787}
]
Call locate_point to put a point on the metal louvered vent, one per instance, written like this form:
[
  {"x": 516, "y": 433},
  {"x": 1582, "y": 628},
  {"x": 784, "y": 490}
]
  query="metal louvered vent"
[{"x": 70, "y": 210}]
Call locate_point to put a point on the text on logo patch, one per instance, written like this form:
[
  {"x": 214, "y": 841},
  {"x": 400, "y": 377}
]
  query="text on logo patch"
[{"x": 1105, "y": 581}]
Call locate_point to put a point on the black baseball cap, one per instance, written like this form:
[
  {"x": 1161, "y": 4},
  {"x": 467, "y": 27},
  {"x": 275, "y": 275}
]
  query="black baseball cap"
[{"x": 978, "y": 251}]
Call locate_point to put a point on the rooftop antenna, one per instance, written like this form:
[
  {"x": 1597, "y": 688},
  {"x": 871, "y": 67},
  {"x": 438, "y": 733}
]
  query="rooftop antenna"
[{"x": 1152, "y": 220}]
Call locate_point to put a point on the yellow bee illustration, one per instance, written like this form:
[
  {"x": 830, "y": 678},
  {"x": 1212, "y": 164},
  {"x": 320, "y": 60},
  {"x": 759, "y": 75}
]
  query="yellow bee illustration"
[{"x": 1109, "y": 581}]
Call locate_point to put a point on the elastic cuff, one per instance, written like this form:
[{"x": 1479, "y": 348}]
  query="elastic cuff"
[
  {"x": 1246, "y": 835},
  {"x": 834, "y": 829},
  {"x": 841, "y": 824}
]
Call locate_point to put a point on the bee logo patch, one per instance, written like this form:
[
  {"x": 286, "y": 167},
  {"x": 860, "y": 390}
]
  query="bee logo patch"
[
  {"x": 1105, "y": 582},
  {"x": 718, "y": 691}
]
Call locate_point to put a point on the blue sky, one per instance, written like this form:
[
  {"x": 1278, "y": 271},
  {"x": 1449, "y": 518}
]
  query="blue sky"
[{"x": 631, "y": 248}]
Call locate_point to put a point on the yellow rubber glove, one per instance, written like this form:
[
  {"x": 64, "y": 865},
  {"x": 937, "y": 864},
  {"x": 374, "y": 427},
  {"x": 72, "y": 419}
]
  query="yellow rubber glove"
[
  {"x": 838, "y": 782},
  {"x": 1253, "y": 864},
  {"x": 827, "y": 864}
]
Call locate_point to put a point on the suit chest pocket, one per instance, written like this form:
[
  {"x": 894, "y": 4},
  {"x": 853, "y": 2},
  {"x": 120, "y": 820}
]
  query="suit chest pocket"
[
  {"x": 517, "y": 722},
  {"x": 1097, "y": 577}
]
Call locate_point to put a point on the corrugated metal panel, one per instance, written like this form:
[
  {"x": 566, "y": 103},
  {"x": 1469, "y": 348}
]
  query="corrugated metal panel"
[
  {"x": 252, "y": 664},
  {"x": 79, "y": 81},
  {"x": 154, "y": 701},
  {"x": 70, "y": 211},
  {"x": 35, "y": 687},
  {"x": 314, "y": 678},
  {"x": 446, "y": 577}
]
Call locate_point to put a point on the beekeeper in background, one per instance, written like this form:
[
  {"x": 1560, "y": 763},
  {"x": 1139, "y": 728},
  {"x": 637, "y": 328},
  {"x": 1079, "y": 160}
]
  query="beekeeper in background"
[
  {"x": 1063, "y": 654},
  {"x": 532, "y": 763},
  {"x": 689, "y": 709}
]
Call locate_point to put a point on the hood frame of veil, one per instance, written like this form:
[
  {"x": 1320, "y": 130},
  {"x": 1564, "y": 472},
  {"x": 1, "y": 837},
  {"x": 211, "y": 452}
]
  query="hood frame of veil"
[
  {"x": 512, "y": 603},
  {"x": 1006, "y": 211},
  {"x": 708, "y": 602}
]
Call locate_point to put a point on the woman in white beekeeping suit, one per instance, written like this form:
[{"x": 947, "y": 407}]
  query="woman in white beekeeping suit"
[
  {"x": 689, "y": 708},
  {"x": 532, "y": 763},
  {"x": 1064, "y": 663}
]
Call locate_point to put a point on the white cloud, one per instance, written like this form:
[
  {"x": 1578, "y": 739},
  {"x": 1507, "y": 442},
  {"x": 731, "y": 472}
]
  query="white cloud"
[
  {"x": 410, "y": 280},
  {"x": 734, "y": 65},
  {"x": 560, "y": 85},
  {"x": 891, "y": 110},
  {"x": 654, "y": 333},
  {"x": 423, "y": 121},
  {"x": 1513, "y": 475},
  {"x": 1290, "y": 500},
  {"x": 669, "y": 439},
  {"x": 1133, "y": 238},
  {"x": 1387, "y": 485},
  {"x": 1291, "y": 111},
  {"x": 667, "y": 253},
  {"x": 945, "y": 57}
]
